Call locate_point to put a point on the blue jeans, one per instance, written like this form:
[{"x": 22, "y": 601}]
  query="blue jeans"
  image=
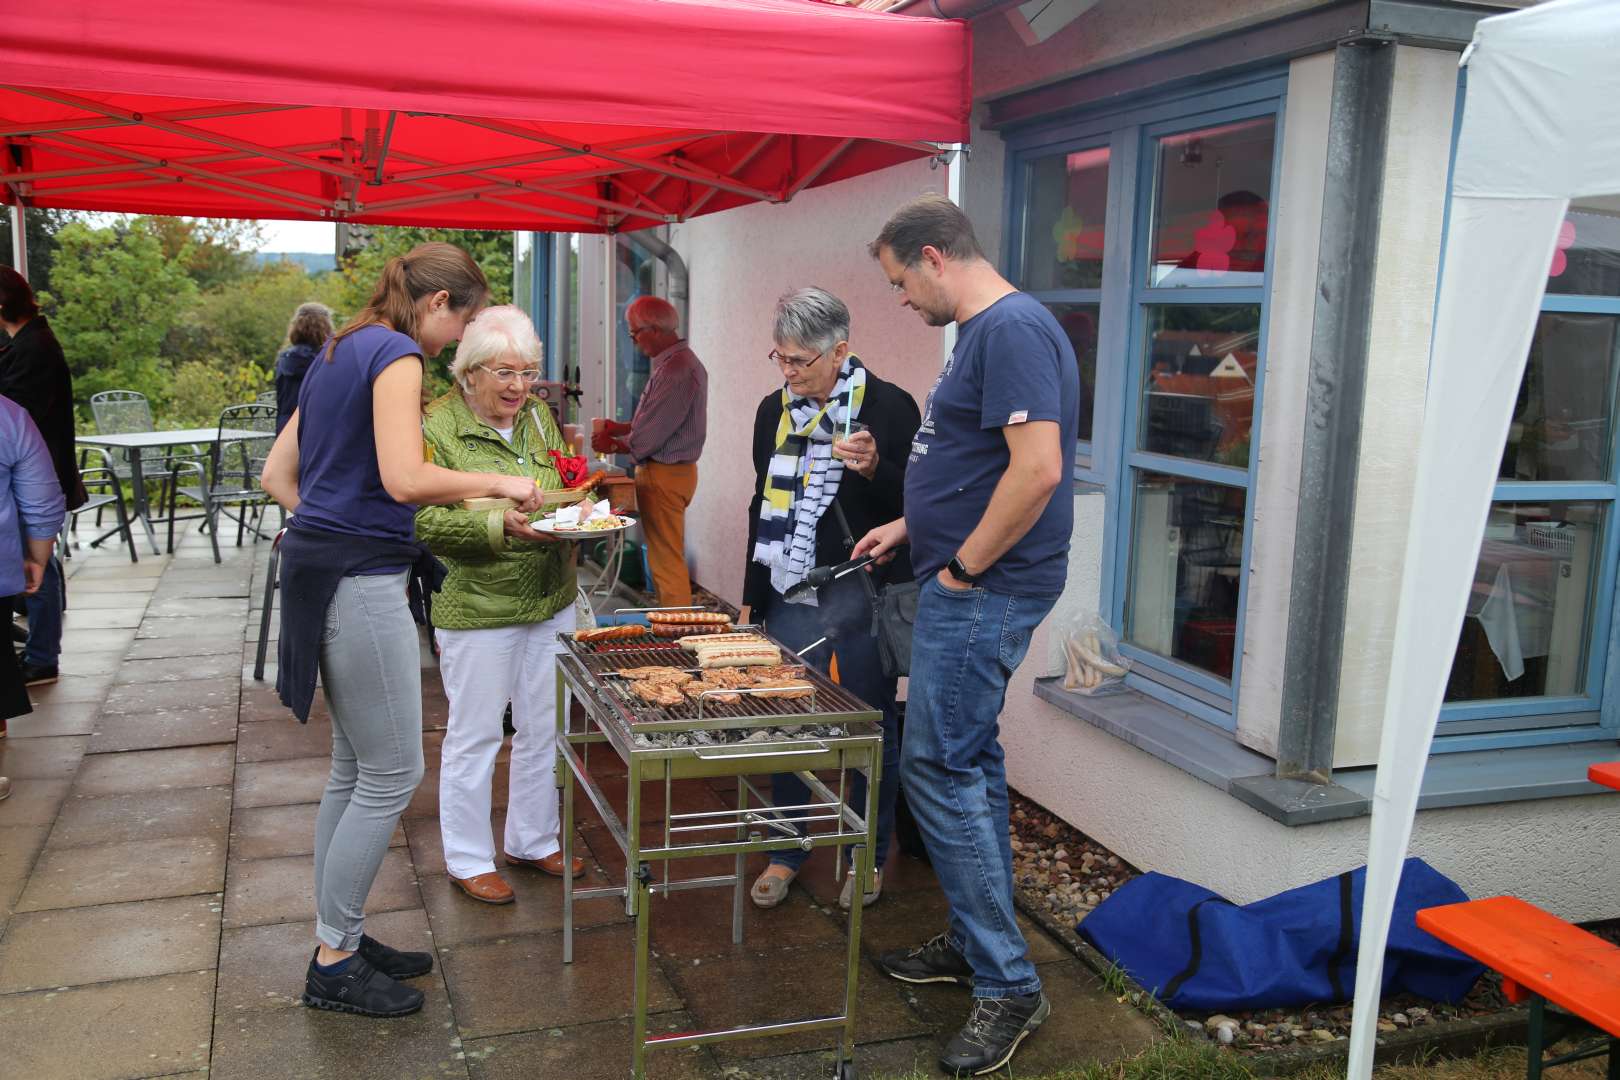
[
  {"x": 844, "y": 617},
  {"x": 45, "y": 619},
  {"x": 966, "y": 647}
]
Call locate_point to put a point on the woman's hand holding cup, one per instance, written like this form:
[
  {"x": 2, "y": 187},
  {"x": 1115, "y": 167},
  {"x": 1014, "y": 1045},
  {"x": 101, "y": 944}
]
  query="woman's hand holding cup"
[{"x": 858, "y": 452}]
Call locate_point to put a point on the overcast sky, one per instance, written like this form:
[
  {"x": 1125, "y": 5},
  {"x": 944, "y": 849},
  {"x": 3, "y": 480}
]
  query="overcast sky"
[{"x": 298, "y": 236}]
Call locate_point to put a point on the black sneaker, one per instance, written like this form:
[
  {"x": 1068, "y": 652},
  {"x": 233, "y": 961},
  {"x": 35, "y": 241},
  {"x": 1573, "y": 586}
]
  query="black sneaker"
[
  {"x": 38, "y": 674},
  {"x": 392, "y": 962},
  {"x": 934, "y": 961},
  {"x": 359, "y": 988},
  {"x": 19, "y": 634},
  {"x": 992, "y": 1033}
]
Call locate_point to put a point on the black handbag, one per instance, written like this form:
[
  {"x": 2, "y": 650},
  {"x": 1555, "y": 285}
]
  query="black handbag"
[{"x": 894, "y": 612}]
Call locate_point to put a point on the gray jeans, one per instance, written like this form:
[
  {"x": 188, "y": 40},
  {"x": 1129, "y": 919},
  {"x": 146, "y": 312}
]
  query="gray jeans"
[{"x": 371, "y": 670}]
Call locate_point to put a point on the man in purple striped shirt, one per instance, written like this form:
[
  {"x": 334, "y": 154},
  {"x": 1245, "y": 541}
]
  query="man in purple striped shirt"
[{"x": 665, "y": 439}]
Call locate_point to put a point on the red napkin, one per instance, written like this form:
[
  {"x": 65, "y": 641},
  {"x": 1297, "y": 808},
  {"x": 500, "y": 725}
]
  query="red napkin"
[{"x": 571, "y": 469}]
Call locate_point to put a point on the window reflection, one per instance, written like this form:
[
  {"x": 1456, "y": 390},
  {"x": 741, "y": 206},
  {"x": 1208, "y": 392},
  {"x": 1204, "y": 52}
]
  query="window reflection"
[
  {"x": 1530, "y": 607},
  {"x": 1079, "y": 321},
  {"x": 1199, "y": 382},
  {"x": 1587, "y": 259},
  {"x": 1186, "y": 570},
  {"x": 1561, "y": 422},
  {"x": 1065, "y": 217},
  {"x": 1213, "y": 208}
]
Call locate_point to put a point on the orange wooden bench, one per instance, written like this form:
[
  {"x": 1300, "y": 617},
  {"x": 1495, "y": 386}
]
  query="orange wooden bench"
[{"x": 1542, "y": 958}]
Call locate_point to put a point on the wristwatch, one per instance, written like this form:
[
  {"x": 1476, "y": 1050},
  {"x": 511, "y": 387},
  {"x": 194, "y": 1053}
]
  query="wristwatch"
[{"x": 960, "y": 572}]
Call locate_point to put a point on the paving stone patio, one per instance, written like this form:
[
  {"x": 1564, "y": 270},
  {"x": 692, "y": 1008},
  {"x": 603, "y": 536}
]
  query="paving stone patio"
[{"x": 156, "y": 898}]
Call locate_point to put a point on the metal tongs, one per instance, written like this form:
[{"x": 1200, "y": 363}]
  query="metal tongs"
[{"x": 823, "y": 575}]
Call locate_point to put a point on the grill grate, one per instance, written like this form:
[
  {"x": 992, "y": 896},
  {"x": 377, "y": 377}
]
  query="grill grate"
[{"x": 829, "y": 703}]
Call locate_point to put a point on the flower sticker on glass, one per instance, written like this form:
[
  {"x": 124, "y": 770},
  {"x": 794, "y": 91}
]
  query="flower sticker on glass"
[
  {"x": 1212, "y": 245},
  {"x": 1566, "y": 240}
]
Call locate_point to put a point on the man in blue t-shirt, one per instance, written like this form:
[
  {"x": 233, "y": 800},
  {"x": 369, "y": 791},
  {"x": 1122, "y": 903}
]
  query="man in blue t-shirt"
[{"x": 988, "y": 515}]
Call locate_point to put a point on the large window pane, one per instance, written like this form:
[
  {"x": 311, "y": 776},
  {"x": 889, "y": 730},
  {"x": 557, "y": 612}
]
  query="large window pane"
[
  {"x": 1186, "y": 567},
  {"x": 1587, "y": 262},
  {"x": 1213, "y": 205},
  {"x": 1529, "y": 614},
  {"x": 1064, "y": 218},
  {"x": 1199, "y": 381},
  {"x": 634, "y": 276},
  {"x": 1079, "y": 321},
  {"x": 1561, "y": 424}
]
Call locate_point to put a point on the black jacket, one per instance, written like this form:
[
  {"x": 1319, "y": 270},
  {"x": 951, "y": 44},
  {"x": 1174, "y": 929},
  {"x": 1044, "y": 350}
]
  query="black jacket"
[
  {"x": 891, "y": 415},
  {"x": 34, "y": 374},
  {"x": 291, "y": 364}
]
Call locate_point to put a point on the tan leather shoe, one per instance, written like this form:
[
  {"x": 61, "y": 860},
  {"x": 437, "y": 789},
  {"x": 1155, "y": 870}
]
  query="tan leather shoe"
[
  {"x": 489, "y": 888},
  {"x": 552, "y": 864}
]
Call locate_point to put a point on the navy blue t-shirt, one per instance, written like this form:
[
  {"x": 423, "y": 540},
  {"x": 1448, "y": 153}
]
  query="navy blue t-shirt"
[
  {"x": 1012, "y": 364},
  {"x": 339, "y": 486}
]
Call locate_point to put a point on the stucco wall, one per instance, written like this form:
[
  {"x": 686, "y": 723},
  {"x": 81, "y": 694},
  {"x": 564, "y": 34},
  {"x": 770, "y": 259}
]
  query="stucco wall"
[
  {"x": 1110, "y": 33},
  {"x": 1397, "y": 382},
  {"x": 741, "y": 261},
  {"x": 1296, "y": 228}
]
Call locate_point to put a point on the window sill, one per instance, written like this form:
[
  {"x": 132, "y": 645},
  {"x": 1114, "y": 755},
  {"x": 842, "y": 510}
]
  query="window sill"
[{"x": 1471, "y": 778}]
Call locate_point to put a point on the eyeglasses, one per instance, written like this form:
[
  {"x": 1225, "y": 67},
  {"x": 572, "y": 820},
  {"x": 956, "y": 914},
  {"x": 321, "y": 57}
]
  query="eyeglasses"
[
  {"x": 637, "y": 331},
  {"x": 798, "y": 362},
  {"x": 528, "y": 375}
]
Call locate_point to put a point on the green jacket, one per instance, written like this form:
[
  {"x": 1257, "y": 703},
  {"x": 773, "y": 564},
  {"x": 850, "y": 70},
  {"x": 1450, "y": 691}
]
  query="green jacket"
[{"x": 494, "y": 580}]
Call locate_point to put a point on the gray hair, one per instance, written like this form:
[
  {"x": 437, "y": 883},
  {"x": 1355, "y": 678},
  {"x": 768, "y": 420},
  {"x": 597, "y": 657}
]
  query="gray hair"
[
  {"x": 813, "y": 318},
  {"x": 654, "y": 311},
  {"x": 494, "y": 333}
]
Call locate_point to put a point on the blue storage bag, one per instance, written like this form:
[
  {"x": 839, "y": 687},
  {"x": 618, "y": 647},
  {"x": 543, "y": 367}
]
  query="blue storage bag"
[{"x": 1196, "y": 950}]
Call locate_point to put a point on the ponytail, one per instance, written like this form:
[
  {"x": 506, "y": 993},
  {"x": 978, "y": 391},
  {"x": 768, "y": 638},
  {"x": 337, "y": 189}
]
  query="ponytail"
[{"x": 405, "y": 279}]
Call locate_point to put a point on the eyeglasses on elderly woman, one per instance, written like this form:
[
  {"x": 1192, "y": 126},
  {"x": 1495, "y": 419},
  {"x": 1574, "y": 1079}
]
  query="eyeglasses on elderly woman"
[
  {"x": 802, "y": 363},
  {"x": 504, "y": 374}
]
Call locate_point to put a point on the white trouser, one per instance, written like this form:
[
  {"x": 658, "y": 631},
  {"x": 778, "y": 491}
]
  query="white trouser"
[{"x": 483, "y": 670}]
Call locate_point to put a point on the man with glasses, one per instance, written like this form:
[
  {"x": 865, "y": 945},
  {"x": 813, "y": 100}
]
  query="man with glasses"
[
  {"x": 988, "y": 516},
  {"x": 665, "y": 439}
]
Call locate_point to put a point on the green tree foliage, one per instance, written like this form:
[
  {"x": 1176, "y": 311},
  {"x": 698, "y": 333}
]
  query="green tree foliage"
[
  {"x": 42, "y": 227},
  {"x": 114, "y": 297},
  {"x": 213, "y": 251}
]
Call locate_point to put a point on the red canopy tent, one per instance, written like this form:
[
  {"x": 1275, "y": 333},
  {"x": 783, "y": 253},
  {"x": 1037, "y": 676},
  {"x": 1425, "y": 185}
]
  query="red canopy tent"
[{"x": 571, "y": 115}]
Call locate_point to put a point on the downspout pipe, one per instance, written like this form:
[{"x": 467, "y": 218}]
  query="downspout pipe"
[{"x": 674, "y": 265}]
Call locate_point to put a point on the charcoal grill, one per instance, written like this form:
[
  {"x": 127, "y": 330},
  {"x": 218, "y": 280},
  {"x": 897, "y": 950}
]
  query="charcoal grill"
[{"x": 829, "y": 732}]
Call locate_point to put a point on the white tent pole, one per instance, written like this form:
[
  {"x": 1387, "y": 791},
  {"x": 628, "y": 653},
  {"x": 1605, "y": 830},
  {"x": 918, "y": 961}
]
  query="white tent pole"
[
  {"x": 954, "y": 158},
  {"x": 19, "y": 240}
]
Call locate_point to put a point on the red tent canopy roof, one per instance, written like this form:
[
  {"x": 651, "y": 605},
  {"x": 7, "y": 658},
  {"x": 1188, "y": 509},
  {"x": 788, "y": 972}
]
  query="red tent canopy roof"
[{"x": 576, "y": 115}]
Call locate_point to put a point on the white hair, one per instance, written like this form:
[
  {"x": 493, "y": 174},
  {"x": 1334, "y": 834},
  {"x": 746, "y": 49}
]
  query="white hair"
[{"x": 495, "y": 332}]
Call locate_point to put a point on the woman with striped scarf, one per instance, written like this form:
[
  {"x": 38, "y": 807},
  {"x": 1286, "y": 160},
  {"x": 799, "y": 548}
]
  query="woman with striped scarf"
[{"x": 831, "y": 443}]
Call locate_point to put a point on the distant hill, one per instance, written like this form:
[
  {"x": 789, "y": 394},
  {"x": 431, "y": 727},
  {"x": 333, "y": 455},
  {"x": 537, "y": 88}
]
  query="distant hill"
[{"x": 313, "y": 262}]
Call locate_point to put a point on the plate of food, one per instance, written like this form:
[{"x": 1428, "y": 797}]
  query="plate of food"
[{"x": 600, "y": 525}]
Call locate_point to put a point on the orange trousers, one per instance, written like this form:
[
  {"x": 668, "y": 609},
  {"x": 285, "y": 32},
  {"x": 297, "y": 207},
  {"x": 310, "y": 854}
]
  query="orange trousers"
[{"x": 663, "y": 492}]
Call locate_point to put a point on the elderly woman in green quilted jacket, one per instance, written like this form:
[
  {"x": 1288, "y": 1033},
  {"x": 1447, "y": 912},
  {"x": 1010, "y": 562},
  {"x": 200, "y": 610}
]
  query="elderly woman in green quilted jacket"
[{"x": 509, "y": 592}]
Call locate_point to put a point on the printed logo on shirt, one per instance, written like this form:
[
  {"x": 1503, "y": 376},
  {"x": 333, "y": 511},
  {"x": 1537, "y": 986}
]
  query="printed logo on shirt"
[
  {"x": 918, "y": 449},
  {"x": 1018, "y": 417}
]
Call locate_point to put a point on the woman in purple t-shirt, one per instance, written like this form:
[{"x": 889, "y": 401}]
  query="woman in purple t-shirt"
[{"x": 349, "y": 466}]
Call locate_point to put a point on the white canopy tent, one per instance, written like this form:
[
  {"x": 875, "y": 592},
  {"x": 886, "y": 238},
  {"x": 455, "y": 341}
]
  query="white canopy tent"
[{"x": 1540, "y": 127}]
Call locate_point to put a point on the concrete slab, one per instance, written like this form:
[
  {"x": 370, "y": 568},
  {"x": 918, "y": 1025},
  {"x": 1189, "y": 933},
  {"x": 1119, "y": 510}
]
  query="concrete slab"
[
  {"x": 148, "y": 815},
  {"x": 19, "y": 846},
  {"x": 77, "y": 618},
  {"x": 696, "y": 925},
  {"x": 164, "y": 606},
  {"x": 113, "y": 1031},
  {"x": 153, "y": 730},
  {"x": 495, "y": 983},
  {"x": 33, "y": 802},
  {"x": 269, "y": 832},
  {"x": 70, "y": 689},
  {"x": 45, "y": 949},
  {"x": 262, "y": 967},
  {"x": 279, "y": 783},
  {"x": 42, "y": 758},
  {"x": 165, "y": 648},
  {"x": 458, "y": 919},
  {"x": 259, "y": 891},
  {"x": 48, "y": 721},
  {"x": 141, "y": 698},
  {"x": 90, "y": 663},
  {"x": 96, "y": 640},
  {"x": 283, "y": 738},
  {"x": 589, "y": 1052},
  {"x": 765, "y": 984},
  {"x": 154, "y": 770},
  {"x": 188, "y": 586},
  {"x": 135, "y": 870},
  {"x": 176, "y": 669}
]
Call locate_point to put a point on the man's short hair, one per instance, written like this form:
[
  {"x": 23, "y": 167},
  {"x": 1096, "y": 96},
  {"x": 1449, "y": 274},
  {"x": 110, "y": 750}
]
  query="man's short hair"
[
  {"x": 929, "y": 221},
  {"x": 16, "y": 298},
  {"x": 654, "y": 311}
]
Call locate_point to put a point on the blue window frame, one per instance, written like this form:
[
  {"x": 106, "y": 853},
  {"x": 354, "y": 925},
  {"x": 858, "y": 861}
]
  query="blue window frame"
[
  {"x": 1177, "y": 307},
  {"x": 1533, "y": 662}
]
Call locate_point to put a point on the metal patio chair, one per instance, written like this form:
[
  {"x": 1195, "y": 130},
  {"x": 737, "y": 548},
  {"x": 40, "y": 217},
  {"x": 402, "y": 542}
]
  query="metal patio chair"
[
  {"x": 119, "y": 412},
  {"x": 102, "y": 485},
  {"x": 229, "y": 477}
]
